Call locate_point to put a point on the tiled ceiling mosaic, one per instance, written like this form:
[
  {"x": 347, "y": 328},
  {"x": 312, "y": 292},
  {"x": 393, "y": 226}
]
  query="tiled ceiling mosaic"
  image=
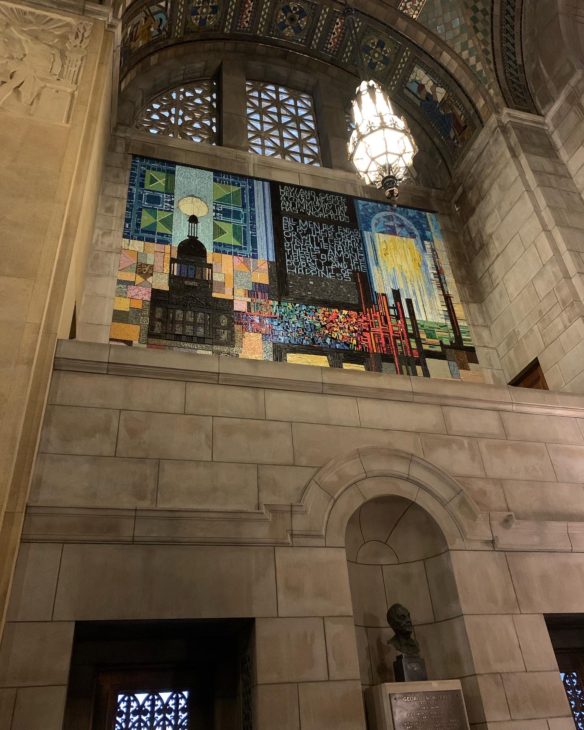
[
  {"x": 471, "y": 28},
  {"x": 418, "y": 83},
  {"x": 447, "y": 19}
]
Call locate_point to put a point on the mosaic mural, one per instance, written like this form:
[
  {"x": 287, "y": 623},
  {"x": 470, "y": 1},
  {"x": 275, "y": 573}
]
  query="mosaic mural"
[
  {"x": 217, "y": 262},
  {"x": 441, "y": 108},
  {"x": 146, "y": 25}
]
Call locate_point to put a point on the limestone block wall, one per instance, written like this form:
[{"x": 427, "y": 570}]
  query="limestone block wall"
[
  {"x": 523, "y": 216},
  {"x": 180, "y": 486},
  {"x": 51, "y": 139},
  {"x": 566, "y": 121}
]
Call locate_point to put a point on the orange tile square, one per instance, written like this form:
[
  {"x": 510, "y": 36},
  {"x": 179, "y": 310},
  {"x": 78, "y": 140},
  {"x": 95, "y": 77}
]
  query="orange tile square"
[{"x": 128, "y": 332}]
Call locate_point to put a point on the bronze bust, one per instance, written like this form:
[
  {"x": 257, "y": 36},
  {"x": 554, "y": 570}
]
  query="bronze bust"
[{"x": 398, "y": 617}]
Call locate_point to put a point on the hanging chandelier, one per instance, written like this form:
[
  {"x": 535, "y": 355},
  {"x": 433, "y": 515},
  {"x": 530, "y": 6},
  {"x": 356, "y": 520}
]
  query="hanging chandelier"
[{"x": 381, "y": 146}]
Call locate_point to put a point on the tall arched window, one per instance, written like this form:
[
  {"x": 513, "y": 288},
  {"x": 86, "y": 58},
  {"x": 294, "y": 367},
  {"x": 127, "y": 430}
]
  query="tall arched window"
[
  {"x": 281, "y": 123},
  {"x": 185, "y": 112}
]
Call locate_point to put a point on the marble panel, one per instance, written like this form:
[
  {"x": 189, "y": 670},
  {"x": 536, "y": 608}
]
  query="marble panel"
[
  {"x": 35, "y": 653},
  {"x": 341, "y": 648},
  {"x": 252, "y": 441},
  {"x": 224, "y": 400},
  {"x": 207, "y": 485},
  {"x": 290, "y": 650},
  {"x": 331, "y": 706},
  {"x": 35, "y": 582},
  {"x": 277, "y": 706},
  {"x": 535, "y": 694},
  {"x": 88, "y": 431},
  {"x": 165, "y": 581},
  {"x": 312, "y": 582},
  {"x": 164, "y": 436},
  {"x": 484, "y": 582}
]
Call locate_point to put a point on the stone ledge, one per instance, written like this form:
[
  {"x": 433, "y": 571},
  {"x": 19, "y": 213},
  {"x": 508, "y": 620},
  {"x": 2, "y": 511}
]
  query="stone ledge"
[
  {"x": 535, "y": 536},
  {"x": 78, "y": 356},
  {"x": 269, "y": 528},
  {"x": 160, "y": 526}
]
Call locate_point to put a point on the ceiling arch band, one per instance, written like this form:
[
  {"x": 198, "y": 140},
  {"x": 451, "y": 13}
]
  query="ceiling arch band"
[
  {"x": 443, "y": 79},
  {"x": 450, "y": 113}
]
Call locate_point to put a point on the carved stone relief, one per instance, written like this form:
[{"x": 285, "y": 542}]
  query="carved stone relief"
[{"x": 41, "y": 58}]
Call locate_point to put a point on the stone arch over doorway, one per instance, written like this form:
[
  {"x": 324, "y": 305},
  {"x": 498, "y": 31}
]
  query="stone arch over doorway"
[{"x": 343, "y": 485}]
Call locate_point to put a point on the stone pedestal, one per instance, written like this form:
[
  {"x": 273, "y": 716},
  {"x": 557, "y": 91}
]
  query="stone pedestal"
[{"x": 419, "y": 705}]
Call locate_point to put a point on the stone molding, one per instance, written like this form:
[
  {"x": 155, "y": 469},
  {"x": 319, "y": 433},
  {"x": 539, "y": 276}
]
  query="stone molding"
[
  {"x": 526, "y": 119},
  {"x": 374, "y": 472},
  {"x": 72, "y": 355},
  {"x": 41, "y": 60},
  {"x": 329, "y": 500},
  {"x": 512, "y": 535},
  {"x": 320, "y": 520}
]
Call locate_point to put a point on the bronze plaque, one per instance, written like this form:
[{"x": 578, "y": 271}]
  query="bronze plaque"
[{"x": 436, "y": 710}]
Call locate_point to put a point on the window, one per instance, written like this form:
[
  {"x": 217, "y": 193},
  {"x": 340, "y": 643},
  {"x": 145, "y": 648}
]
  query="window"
[
  {"x": 161, "y": 675},
  {"x": 145, "y": 711},
  {"x": 531, "y": 377},
  {"x": 187, "y": 112},
  {"x": 575, "y": 693},
  {"x": 567, "y": 636},
  {"x": 281, "y": 123}
]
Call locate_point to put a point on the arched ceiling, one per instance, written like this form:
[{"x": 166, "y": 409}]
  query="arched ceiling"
[
  {"x": 435, "y": 57},
  {"x": 487, "y": 35}
]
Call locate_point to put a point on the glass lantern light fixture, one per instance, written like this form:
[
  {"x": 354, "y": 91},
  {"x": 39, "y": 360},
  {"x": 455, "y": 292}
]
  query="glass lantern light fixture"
[{"x": 381, "y": 146}]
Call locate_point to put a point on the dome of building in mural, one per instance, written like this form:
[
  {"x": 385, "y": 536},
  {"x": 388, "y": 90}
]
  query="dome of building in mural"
[{"x": 192, "y": 247}]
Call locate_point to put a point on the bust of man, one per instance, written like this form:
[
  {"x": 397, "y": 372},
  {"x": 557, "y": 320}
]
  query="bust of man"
[{"x": 398, "y": 617}]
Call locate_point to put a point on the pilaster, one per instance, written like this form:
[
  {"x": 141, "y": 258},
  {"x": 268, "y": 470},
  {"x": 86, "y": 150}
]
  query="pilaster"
[{"x": 523, "y": 221}]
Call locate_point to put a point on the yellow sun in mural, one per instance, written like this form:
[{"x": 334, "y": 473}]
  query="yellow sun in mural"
[{"x": 191, "y": 205}]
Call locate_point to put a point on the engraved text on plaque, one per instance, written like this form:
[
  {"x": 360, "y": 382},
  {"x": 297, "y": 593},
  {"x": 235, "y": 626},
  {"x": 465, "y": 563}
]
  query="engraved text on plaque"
[{"x": 437, "y": 710}]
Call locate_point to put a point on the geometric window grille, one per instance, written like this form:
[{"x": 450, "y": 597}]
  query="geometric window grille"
[
  {"x": 186, "y": 112},
  {"x": 152, "y": 711},
  {"x": 575, "y": 692},
  {"x": 281, "y": 123}
]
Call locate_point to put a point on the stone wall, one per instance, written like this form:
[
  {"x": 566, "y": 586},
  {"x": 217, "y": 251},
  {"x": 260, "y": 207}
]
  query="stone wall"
[
  {"x": 54, "y": 107},
  {"x": 182, "y": 486},
  {"x": 566, "y": 121},
  {"x": 523, "y": 218}
]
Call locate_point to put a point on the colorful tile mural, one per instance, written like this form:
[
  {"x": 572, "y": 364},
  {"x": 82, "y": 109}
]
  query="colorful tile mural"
[
  {"x": 216, "y": 262},
  {"x": 149, "y": 24},
  {"x": 442, "y": 110}
]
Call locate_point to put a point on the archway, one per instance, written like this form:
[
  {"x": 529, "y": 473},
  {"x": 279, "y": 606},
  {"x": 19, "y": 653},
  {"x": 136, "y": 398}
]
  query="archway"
[
  {"x": 401, "y": 521},
  {"x": 397, "y": 554}
]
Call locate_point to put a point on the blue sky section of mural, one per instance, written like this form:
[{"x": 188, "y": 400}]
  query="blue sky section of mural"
[{"x": 303, "y": 273}]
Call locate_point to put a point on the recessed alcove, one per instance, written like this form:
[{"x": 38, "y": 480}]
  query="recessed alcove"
[{"x": 396, "y": 553}]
